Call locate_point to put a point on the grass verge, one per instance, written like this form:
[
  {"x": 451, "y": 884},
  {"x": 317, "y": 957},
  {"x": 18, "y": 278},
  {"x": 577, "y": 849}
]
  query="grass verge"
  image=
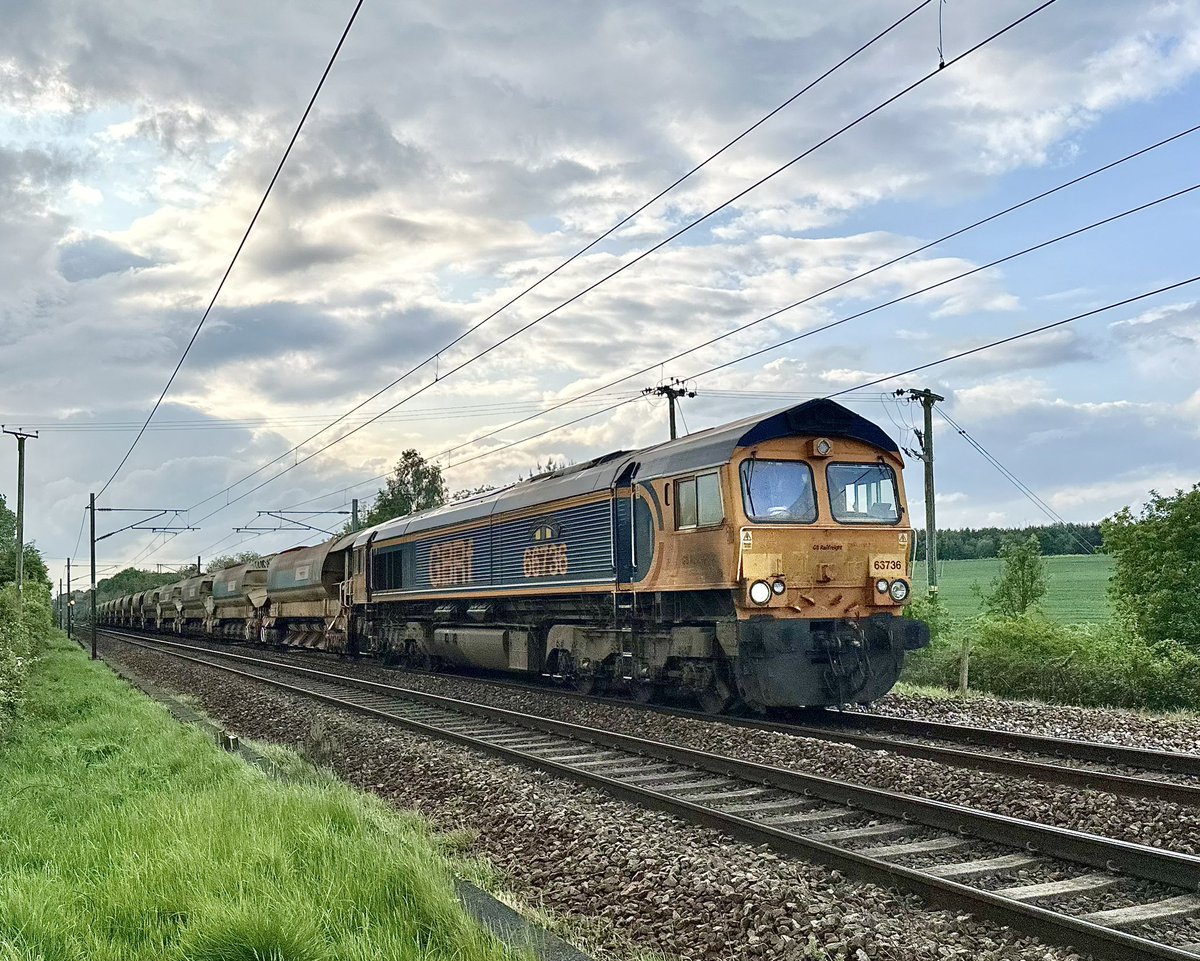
[{"x": 128, "y": 836}]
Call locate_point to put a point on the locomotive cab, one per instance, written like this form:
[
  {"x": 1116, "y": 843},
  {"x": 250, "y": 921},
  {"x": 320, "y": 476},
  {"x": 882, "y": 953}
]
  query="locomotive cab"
[{"x": 823, "y": 571}]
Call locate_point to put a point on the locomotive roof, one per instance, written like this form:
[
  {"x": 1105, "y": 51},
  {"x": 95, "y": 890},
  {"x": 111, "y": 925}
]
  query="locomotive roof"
[
  {"x": 703, "y": 449},
  {"x": 709, "y": 448}
]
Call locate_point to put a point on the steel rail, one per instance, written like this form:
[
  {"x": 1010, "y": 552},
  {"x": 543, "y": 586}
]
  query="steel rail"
[
  {"x": 1172, "y": 868},
  {"x": 1149, "y": 759},
  {"x": 840, "y": 727}
]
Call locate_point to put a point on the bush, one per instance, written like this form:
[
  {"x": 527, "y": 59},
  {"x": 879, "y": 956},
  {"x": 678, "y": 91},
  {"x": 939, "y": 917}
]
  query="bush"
[
  {"x": 1093, "y": 665},
  {"x": 20, "y": 627},
  {"x": 1156, "y": 563}
]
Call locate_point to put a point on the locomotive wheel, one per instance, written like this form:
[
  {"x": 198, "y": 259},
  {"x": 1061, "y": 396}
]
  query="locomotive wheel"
[{"x": 716, "y": 698}]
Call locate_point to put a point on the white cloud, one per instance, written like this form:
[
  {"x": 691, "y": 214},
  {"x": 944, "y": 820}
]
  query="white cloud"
[{"x": 460, "y": 151}]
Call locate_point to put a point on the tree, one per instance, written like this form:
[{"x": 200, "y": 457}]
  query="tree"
[
  {"x": 132, "y": 580},
  {"x": 1156, "y": 567},
  {"x": 35, "y": 567},
  {"x": 232, "y": 560},
  {"x": 1022, "y": 580},
  {"x": 415, "y": 485}
]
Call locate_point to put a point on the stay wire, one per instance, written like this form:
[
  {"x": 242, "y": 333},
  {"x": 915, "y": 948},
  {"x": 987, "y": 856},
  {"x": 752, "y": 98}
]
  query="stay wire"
[
  {"x": 1012, "y": 478},
  {"x": 237, "y": 253},
  {"x": 79, "y": 537},
  {"x": 644, "y": 254}
]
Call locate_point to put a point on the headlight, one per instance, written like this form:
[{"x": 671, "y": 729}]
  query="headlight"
[
  {"x": 779, "y": 587},
  {"x": 899, "y": 590},
  {"x": 882, "y": 585},
  {"x": 760, "y": 592}
]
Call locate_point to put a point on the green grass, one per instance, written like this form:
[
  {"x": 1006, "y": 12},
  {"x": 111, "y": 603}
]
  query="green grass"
[
  {"x": 1077, "y": 594},
  {"x": 128, "y": 836}
]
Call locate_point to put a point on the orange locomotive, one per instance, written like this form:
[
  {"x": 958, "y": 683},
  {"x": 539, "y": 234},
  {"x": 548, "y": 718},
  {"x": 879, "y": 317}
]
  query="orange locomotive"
[{"x": 763, "y": 563}]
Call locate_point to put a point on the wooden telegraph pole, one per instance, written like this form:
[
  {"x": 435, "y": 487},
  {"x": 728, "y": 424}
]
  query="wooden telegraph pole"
[
  {"x": 672, "y": 391},
  {"x": 928, "y": 398},
  {"x": 21, "y": 436}
]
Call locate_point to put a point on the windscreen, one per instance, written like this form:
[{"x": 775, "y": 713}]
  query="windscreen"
[
  {"x": 778, "y": 491},
  {"x": 863, "y": 493}
]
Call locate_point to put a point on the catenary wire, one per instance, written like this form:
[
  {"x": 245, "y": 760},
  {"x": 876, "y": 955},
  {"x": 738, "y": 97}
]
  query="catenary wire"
[
  {"x": 944, "y": 360},
  {"x": 579, "y": 253},
  {"x": 646, "y": 253},
  {"x": 1015, "y": 337},
  {"x": 904, "y": 373},
  {"x": 246, "y": 236},
  {"x": 262, "y": 423},
  {"x": 974, "y": 270},
  {"x": 843, "y": 283},
  {"x": 922, "y": 248},
  {"x": 907, "y": 296},
  {"x": 860, "y": 387}
]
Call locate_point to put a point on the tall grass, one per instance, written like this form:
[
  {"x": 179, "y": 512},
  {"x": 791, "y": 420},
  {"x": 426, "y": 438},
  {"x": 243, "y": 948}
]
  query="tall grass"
[
  {"x": 127, "y": 836},
  {"x": 21, "y": 622}
]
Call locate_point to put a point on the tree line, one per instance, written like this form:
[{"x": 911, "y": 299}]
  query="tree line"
[{"x": 978, "y": 542}]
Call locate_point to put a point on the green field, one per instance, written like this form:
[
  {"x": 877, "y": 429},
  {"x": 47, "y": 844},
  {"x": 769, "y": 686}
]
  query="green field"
[{"x": 1077, "y": 594}]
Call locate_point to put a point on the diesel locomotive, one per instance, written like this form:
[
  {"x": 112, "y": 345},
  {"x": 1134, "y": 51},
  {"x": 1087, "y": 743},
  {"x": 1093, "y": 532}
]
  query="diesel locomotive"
[{"x": 764, "y": 563}]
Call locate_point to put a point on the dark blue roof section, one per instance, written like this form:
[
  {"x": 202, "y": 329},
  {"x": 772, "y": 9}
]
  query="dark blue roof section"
[
  {"x": 708, "y": 448},
  {"x": 818, "y": 418}
]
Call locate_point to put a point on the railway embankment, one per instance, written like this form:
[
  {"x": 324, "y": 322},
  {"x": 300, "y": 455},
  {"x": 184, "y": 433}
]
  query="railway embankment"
[
  {"x": 128, "y": 835},
  {"x": 631, "y": 878}
]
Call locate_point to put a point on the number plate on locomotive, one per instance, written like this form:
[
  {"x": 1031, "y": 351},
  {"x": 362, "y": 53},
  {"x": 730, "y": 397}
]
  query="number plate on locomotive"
[{"x": 883, "y": 565}]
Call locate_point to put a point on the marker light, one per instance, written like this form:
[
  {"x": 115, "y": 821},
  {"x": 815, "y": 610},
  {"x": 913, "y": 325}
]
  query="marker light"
[
  {"x": 882, "y": 585},
  {"x": 779, "y": 587},
  {"x": 899, "y": 590}
]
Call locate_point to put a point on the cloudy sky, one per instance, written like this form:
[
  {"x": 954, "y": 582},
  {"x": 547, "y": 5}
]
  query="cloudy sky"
[{"x": 460, "y": 151}]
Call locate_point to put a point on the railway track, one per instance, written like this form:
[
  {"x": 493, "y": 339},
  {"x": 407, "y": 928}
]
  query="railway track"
[
  {"x": 1112, "y": 768},
  {"x": 1092, "y": 891}
]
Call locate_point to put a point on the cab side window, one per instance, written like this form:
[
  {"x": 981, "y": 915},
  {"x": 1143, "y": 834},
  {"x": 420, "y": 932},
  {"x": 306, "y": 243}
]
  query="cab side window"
[{"x": 698, "y": 501}]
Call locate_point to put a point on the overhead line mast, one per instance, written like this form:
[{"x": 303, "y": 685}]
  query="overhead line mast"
[
  {"x": 927, "y": 399},
  {"x": 672, "y": 392}
]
